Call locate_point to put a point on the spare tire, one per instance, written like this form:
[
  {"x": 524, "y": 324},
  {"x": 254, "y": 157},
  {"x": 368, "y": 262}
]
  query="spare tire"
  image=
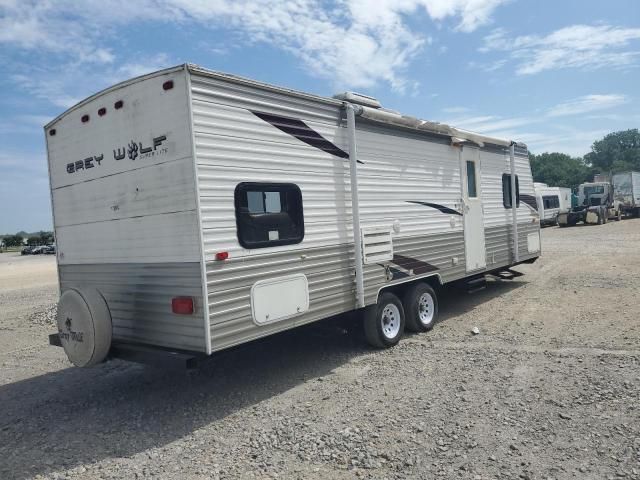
[{"x": 84, "y": 326}]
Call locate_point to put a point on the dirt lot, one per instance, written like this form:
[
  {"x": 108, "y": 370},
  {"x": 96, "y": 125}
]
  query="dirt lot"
[{"x": 550, "y": 388}]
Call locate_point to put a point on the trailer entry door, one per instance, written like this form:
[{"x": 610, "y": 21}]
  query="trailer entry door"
[{"x": 473, "y": 216}]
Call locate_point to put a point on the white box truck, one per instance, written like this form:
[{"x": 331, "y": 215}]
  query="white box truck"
[
  {"x": 626, "y": 190},
  {"x": 196, "y": 210}
]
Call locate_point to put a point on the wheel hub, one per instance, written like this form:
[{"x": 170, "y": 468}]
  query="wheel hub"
[
  {"x": 426, "y": 308},
  {"x": 390, "y": 320}
]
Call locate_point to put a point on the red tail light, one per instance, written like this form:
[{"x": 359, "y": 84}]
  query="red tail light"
[
  {"x": 182, "y": 305},
  {"x": 222, "y": 255}
]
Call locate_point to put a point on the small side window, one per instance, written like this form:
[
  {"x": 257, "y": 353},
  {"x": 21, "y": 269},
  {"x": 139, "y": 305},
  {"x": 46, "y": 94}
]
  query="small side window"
[
  {"x": 551, "y": 201},
  {"x": 268, "y": 214},
  {"x": 506, "y": 190},
  {"x": 472, "y": 190}
]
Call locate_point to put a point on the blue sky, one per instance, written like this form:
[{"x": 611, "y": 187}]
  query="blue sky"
[{"x": 554, "y": 74}]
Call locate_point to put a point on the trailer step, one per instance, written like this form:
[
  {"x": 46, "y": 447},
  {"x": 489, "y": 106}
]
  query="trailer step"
[{"x": 507, "y": 274}]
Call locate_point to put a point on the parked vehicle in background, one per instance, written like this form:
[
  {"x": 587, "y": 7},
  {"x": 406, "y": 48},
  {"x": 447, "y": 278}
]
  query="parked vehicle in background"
[
  {"x": 596, "y": 204},
  {"x": 551, "y": 202},
  {"x": 38, "y": 250},
  {"x": 49, "y": 250},
  {"x": 626, "y": 190},
  {"x": 26, "y": 251}
]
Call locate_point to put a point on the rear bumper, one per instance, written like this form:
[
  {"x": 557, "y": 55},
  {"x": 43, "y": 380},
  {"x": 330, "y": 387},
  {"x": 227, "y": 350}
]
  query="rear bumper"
[{"x": 154, "y": 356}]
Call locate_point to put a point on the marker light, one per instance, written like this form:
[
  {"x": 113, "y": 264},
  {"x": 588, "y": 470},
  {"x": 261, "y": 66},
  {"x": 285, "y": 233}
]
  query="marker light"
[
  {"x": 85, "y": 118},
  {"x": 118, "y": 104},
  {"x": 52, "y": 132},
  {"x": 168, "y": 85},
  {"x": 182, "y": 305},
  {"x": 222, "y": 255},
  {"x": 102, "y": 111}
]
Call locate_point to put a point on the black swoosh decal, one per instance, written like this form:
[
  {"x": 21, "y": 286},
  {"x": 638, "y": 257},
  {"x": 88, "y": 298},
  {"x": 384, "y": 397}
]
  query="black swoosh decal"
[
  {"x": 303, "y": 132},
  {"x": 530, "y": 201},
  {"x": 417, "y": 266},
  {"x": 442, "y": 208}
]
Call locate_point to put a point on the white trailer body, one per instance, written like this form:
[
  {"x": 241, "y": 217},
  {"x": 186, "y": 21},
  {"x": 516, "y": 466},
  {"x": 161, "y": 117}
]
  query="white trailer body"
[
  {"x": 552, "y": 201},
  {"x": 626, "y": 190},
  {"x": 188, "y": 185},
  {"x": 565, "y": 199}
]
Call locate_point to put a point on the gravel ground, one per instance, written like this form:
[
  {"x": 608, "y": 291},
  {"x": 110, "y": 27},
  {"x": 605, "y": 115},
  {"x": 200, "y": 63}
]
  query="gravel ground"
[{"x": 549, "y": 388}]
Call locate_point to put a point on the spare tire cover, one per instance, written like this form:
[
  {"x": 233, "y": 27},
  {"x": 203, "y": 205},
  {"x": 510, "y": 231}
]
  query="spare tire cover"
[{"x": 84, "y": 326}]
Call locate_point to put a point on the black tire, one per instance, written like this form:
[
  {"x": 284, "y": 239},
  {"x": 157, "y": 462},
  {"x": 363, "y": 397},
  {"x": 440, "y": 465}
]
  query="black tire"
[
  {"x": 417, "y": 308},
  {"x": 379, "y": 320}
]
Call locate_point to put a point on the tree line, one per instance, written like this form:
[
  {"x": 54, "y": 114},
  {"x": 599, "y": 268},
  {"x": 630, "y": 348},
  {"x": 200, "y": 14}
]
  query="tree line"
[
  {"x": 616, "y": 152},
  {"x": 33, "y": 239}
]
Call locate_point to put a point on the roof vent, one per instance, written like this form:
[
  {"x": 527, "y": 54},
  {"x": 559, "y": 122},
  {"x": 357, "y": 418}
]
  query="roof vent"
[{"x": 359, "y": 99}]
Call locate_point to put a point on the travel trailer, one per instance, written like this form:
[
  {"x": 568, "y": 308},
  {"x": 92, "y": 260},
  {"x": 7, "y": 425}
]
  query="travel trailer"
[
  {"x": 551, "y": 201},
  {"x": 196, "y": 210}
]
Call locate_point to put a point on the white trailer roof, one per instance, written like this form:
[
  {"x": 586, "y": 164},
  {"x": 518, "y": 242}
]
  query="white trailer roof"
[{"x": 373, "y": 114}]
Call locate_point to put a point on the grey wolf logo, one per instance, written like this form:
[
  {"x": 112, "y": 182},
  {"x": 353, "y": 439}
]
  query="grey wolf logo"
[{"x": 133, "y": 150}]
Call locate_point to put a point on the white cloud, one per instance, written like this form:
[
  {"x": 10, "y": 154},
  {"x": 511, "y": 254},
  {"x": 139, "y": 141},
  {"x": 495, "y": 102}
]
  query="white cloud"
[
  {"x": 587, "y": 103},
  {"x": 572, "y": 141},
  {"x": 532, "y": 130},
  {"x": 576, "y": 46},
  {"x": 135, "y": 69},
  {"x": 455, "y": 109},
  {"x": 354, "y": 43}
]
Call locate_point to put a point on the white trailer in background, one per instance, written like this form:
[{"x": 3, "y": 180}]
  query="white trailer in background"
[
  {"x": 552, "y": 201},
  {"x": 196, "y": 210},
  {"x": 626, "y": 190}
]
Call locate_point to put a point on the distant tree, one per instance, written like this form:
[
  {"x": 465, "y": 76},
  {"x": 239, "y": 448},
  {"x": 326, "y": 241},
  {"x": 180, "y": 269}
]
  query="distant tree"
[
  {"x": 34, "y": 240},
  {"x": 616, "y": 152},
  {"x": 46, "y": 238},
  {"x": 559, "y": 169},
  {"x": 13, "y": 241}
]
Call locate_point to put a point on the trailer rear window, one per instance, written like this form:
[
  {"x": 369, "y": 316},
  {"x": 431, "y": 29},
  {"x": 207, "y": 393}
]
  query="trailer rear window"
[
  {"x": 269, "y": 214},
  {"x": 506, "y": 190},
  {"x": 550, "y": 201}
]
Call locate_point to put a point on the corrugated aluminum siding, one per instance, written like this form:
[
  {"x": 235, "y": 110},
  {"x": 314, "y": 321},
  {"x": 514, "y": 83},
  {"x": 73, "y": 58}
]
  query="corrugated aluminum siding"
[
  {"x": 399, "y": 168},
  {"x": 129, "y": 226},
  {"x": 139, "y": 299}
]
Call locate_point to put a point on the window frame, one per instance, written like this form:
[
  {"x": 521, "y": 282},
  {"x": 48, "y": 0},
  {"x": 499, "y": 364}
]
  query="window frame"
[
  {"x": 282, "y": 188},
  {"x": 475, "y": 179},
  {"x": 506, "y": 189}
]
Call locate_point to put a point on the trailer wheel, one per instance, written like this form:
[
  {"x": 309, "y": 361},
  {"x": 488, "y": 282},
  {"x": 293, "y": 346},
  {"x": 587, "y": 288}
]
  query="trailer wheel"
[
  {"x": 384, "y": 322},
  {"x": 420, "y": 307}
]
